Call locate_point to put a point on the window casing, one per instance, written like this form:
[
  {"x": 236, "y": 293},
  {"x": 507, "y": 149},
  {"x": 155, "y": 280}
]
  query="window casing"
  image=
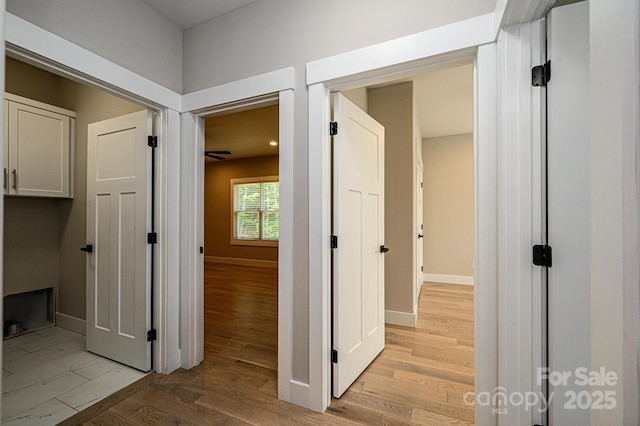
[{"x": 255, "y": 211}]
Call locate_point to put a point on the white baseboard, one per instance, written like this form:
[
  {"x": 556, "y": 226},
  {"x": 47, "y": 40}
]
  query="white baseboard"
[
  {"x": 70, "y": 323},
  {"x": 405, "y": 319},
  {"x": 448, "y": 279},
  {"x": 299, "y": 393},
  {"x": 242, "y": 262}
]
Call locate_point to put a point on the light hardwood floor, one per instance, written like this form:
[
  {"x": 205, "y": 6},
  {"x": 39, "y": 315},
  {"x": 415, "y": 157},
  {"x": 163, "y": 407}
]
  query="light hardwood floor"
[{"x": 419, "y": 378}]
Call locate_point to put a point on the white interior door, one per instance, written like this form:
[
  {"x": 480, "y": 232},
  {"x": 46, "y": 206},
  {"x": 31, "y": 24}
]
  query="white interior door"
[
  {"x": 118, "y": 220},
  {"x": 358, "y": 260},
  {"x": 568, "y": 161}
]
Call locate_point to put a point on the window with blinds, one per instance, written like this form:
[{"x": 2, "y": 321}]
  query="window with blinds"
[{"x": 256, "y": 205}]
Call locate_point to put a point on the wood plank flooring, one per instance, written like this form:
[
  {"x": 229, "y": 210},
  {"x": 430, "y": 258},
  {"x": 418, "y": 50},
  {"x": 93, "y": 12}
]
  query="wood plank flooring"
[{"x": 420, "y": 377}]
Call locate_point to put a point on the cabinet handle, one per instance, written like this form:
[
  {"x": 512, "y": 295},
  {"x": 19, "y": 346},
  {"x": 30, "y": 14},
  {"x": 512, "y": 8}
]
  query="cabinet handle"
[
  {"x": 4, "y": 175},
  {"x": 15, "y": 179}
]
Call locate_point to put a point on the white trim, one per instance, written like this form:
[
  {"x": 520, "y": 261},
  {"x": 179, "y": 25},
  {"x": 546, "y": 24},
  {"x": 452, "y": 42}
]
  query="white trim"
[
  {"x": 226, "y": 98},
  {"x": 77, "y": 61},
  {"x": 192, "y": 238},
  {"x": 242, "y": 262},
  {"x": 247, "y": 88},
  {"x": 167, "y": 350},
  {"x": 402, "y": 51},
  {"x": 319, "y": 249},
  {"x": 448, "y": 279},
  {"x": 486, "y": 229},
  {"x": 517, "y": 12},
  {"x": 70, "y": 323},
  {"x": 405, "y": 319},
  {"x": 377, "y": 62},
  {"x": 299, "y": 393},
  {"x": 520, "y": 47},
  {"x": 285, "y": 255}
]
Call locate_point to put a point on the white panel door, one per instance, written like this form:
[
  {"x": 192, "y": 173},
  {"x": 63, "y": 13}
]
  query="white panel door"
[
  {"x": 568, "y": 161},
  {"x": 118, "y": 220},
  {"x": 358, "y": 262}
]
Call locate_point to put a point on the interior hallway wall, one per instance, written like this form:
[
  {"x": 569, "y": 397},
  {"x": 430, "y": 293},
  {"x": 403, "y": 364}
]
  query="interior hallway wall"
[
  {"x": 128, "y": 33},
  {"x": 392, "y": 106},
  {"x": 217, "y": 206},
  {"x": 448, "y": 205}
]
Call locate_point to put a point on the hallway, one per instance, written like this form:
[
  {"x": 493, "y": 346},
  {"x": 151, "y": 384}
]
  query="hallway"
[{"x": 420, "y": 377}]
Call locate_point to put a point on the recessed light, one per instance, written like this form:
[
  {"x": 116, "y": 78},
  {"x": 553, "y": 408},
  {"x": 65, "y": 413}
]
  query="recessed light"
[{"x": 273, "y": 143}]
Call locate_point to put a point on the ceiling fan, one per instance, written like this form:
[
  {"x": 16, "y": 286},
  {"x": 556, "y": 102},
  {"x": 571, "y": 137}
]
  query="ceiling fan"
[{"x": 212, "y": 154}]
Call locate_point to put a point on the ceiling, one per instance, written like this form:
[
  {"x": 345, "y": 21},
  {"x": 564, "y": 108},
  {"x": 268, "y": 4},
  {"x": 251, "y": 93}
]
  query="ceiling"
[
  {"x": 187, "y": 13},
  {"x": 445, "y": 101},
  {"x": 245, "y": 133}
]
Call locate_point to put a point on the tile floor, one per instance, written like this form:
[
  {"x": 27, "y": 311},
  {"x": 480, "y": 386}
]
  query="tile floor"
[{"x": 47, "y": 376}]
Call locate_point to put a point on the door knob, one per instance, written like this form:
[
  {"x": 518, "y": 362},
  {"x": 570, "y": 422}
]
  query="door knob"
[
  {"x": 88, "y": 248},
  {"x": 383, "y": 249},
  {"x": 420, "y": 235}
]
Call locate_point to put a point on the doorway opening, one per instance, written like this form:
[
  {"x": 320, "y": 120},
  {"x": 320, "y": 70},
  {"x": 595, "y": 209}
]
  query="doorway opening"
[
  {"x": 45, "y": 276},
  {"x": 429, "y": 126},
  {"x": 241, "y": 238}
]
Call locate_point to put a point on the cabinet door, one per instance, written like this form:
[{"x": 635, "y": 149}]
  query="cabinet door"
[
  {"x": 5, "y": 165},
  {"x": 38, "y": 152}
]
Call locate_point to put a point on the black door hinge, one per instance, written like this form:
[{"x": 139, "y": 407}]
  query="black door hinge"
[
  {"x": 334, "y": 241},
  {"x": 541, "y": 74},
  {"x": 334, "y": 356},
  {"x": 333, "y": 128},
  {"x": 152, "y": 141},
  {"x": 152, "y": 238},
  {"x": 542, "y": 255},
  {"x": 152, "y": 335}
]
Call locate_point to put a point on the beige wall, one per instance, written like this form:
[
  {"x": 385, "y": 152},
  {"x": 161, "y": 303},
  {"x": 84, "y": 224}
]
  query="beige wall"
[
  {"x": 217, "y": 206},
  {"x": 31, "y": 238},
  {"x": 359, "y": 97},
  {"x": 448, "y": 205},
  {"x": 69, "y": 216},
  {"x": 30, "y": 245},
  {"x": 392, "y": 106}
]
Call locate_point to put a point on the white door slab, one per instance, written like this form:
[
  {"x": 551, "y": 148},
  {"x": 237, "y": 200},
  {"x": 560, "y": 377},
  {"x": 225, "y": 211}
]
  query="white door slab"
[
  {"x": 358, "y": 223},
  {"x": 118, "y": 220}
]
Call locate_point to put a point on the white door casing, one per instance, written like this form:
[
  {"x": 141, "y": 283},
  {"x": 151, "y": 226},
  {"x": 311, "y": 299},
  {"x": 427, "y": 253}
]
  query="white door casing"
[
  {"x": 358, "y": 261},
  {"x": 419, "y": 230},
  {"x": 118, "y": 220},
  {"x": 568, "y": 207}
]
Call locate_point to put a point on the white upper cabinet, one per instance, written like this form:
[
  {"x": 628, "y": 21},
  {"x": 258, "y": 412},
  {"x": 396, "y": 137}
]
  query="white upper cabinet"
[{"x": 38, "y": 149}]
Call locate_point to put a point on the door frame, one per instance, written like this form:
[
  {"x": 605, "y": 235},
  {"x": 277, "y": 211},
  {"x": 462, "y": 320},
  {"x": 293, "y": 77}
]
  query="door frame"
[
  {"x": 36, "y": 46},
  {"x": 470, "y": 39},
  {"x": 256, "y": 91}
]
